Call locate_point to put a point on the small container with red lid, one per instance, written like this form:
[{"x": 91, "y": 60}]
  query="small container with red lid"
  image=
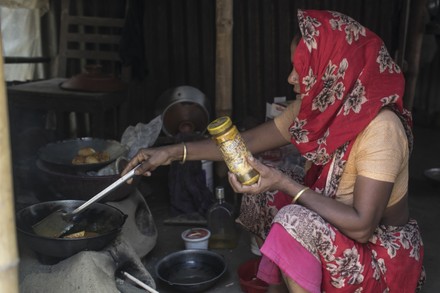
[{"x": 196, "y": 238}]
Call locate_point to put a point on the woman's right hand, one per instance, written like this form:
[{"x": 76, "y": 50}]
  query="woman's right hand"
[{"x": 151, "y": 158}]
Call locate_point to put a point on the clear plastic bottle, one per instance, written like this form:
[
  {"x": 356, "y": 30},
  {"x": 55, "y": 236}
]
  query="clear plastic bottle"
[{"x": 221, "y": 223}]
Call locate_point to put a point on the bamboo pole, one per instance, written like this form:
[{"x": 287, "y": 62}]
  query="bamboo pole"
[
  {"x": 8, "y": 242},
  {"x": 223, "y": 67},
  {"x": 223, "y": 62}
]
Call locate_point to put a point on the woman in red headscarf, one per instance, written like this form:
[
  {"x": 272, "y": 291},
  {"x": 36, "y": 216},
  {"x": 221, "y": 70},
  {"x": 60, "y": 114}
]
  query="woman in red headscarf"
[{"x": 345, "y": 226}]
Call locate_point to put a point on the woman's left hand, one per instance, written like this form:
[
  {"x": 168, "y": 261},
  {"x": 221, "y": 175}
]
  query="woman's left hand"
[{"x": 270, "y": 179}]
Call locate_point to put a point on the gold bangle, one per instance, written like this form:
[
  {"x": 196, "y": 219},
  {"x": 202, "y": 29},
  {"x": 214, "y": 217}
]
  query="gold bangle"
[
  {"x": 184, "y": 153},
  {"x": 298, "y": 195}
]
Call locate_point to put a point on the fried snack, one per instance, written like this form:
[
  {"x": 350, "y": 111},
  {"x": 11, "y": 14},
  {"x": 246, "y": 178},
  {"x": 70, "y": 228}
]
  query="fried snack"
[
  {"x": 80, "y": 234},
  {"x": 78, "y": 160},
  {"x": 90, "y": 234},
  {"x": 103, "y": 156},
  {"x": 93, "y": 157},
  {"x": 86, "y": 151}
]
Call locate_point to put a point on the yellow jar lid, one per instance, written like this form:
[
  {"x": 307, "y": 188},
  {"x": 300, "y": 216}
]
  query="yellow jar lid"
[{"x": 219, "y": 125}]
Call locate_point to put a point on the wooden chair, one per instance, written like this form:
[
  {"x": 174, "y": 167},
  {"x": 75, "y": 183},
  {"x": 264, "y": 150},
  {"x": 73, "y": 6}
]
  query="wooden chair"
[
  {"x": 88, "y": 39},
  {"x": 84, "y": 39}
]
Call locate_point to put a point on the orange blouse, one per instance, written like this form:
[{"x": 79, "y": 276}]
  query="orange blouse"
[{"x": 380, "y": 152}]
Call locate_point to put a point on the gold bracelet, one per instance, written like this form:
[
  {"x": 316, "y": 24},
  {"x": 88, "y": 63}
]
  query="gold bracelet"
[
  {"x": 298, "y": 195},
  {"x": 184, "y": 153}
]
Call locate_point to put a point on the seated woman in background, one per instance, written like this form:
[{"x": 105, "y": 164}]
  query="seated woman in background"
[{"x": 345, "y": 227}]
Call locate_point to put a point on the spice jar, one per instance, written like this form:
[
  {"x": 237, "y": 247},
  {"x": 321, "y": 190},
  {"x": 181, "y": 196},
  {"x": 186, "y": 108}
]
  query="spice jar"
[{"x": 233, "y": 149}]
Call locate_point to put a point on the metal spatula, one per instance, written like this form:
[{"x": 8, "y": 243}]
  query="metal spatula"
[{"x": 59, "y": 222}]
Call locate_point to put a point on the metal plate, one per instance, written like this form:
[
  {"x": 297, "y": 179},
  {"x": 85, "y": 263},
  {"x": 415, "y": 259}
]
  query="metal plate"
[
  {"x": 61, "y": 153},
  {"x": 191, "y": 270}
]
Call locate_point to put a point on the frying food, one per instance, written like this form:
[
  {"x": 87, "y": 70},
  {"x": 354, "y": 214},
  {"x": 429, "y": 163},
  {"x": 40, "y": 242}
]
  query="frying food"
[
  {"x": 91, "y": 160},
  {"x": 87, "y": 151},
  {"x": 88, "y": 155},
  {"x": 81, "y": 234}
]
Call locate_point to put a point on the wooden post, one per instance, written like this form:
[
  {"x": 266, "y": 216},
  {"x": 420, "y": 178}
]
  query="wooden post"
[
  {"x": 223, "y": 68},
  {"x": 223, "y": 59},
  {"x": 8, "y": 242}
]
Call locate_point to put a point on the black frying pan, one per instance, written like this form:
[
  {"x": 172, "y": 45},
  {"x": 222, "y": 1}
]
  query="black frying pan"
[{"x": 104, "y": 220}]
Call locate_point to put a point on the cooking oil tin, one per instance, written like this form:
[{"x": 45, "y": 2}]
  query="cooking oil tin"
[{"x": 233, "y": 149}]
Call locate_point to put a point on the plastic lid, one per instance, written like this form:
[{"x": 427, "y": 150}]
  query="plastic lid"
[
  {"x": 219, "y": 125},
  {"x": 220, "y": 192}
]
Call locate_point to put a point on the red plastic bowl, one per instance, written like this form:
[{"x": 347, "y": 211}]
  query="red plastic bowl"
[{"x": 247, "y": 273}]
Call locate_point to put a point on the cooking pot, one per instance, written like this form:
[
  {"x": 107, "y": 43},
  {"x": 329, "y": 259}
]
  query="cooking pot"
[
  {"x": 184, "y": 109},
  {"x": 81, "y": 186},
  {"x": 61, "y": 153},
  {"x": 104, "y": 221}
]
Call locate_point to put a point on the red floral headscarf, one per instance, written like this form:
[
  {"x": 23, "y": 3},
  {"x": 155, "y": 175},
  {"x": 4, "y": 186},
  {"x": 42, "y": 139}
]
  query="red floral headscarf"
[{"x": 346, "y": 76}]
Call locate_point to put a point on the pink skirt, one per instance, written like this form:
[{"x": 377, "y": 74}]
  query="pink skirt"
[
  {"x": 320, "y": 258},
  {"x": 306, "y": 270}
]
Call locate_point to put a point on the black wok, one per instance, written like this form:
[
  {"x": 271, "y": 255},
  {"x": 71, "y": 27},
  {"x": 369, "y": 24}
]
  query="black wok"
[
  {"x": 64, "y": 185},
  {"x": 60, "y": 154},
  {"x": 105, "y": 220}
]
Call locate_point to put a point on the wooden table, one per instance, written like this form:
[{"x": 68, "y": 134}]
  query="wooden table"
[{"x": 48, "y": 95}]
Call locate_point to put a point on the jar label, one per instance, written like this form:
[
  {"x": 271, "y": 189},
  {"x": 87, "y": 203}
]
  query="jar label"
[{"x": 235, "y": 154}]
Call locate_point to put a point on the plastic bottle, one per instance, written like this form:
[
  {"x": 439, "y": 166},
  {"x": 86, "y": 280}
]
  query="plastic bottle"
[
  {"x": 233, "y": 149},
  {"x": 221, "y": 223}
]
